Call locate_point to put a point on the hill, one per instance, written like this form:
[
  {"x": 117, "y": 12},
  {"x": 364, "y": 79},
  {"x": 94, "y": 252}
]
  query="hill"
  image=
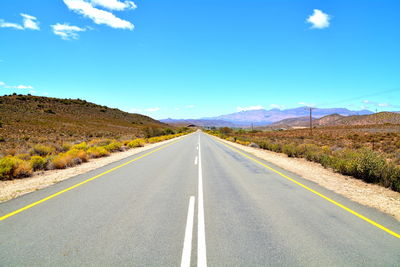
[
  {"x": 339, "y": 120},
  {"x": 29, "y": 120},
  {"x": 377, "y": 118},
  {"x": 292, "y": 122}
]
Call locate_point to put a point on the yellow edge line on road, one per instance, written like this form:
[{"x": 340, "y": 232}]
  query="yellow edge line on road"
[
  {"x": 317, "y": 193},
  {"x": 82, "y": 183}
]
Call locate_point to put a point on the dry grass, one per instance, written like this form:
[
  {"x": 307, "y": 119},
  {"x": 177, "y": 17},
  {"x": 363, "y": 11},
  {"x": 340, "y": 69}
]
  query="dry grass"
[
  {"x": 369, "y": 153},
  {"x": 41, "y": 133},
  {"x": 23, "y": 165},
  {"x": 26, "y": 123}
]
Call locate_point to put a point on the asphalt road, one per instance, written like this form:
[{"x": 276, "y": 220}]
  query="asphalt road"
[{"x": 194, "y": 204}]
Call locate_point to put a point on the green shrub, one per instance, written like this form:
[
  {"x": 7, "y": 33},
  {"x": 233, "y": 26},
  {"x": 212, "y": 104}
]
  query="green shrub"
[
  {"x": 231, "y": 139},
  {"x": 7, "y": 165},
  {"x": 23, "y": 169},
  {"x": 136, "y": 143},
  {"x": 100, "y": 142},
  {"x": 12, "y": 167},
  {"x": 113, "y": 146},
  {"x": 97, "y": 152},
  {"x": 38, "y": 163},
  {"x": 42, "y": 150},
  {"x": 23, "y": 156},
  {"x": 80, "y": 146},
  {"x": 65, "y": 147},
  {"x": 60, "y": 161},
  {"x": 168, "y": 131},
  {"x": 68, "y": 159},
  {"x": 369, "y": 166},
  {"x": 289, "y": 149},
  {"x": 78, "y": 154}
]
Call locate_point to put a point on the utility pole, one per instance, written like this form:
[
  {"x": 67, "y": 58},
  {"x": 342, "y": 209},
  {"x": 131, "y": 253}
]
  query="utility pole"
[{"x": 311, "y": 108}]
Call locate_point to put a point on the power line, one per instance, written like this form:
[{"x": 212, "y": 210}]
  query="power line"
[{"x": 363, "y": 96}]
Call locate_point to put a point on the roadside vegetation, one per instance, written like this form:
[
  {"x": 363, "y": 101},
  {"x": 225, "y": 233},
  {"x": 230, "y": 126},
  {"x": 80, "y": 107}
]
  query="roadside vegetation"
[
  {"x": 371, "y": 154},
  {"x": 48, "y": 157},
  {"x": 43, "y": 133}
]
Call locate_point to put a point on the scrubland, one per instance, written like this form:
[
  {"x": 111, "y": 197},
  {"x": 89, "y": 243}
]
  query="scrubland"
[
  {"x": 370, "y": 153},
  {"x": 49, "y": 157},
  {"x": 41, "y": 133}
]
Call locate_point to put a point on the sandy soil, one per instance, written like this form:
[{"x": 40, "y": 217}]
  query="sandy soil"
[
  {"x": 366, "y": 194},
  {"x": 14, "y": 188}
]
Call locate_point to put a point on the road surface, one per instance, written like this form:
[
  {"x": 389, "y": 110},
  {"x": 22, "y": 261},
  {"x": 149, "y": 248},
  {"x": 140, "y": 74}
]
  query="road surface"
[{"x": 195, "y": 202}]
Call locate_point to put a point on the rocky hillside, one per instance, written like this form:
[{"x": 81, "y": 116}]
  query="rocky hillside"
[
  {"x": 339, "y": 120},
  {"x": 26, "y": 119}
]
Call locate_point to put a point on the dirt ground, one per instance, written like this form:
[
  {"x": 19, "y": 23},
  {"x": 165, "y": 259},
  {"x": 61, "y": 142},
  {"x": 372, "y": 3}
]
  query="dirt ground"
[
  {"x": 17, "y": 187},
  {"x": 366, "y": 194}
]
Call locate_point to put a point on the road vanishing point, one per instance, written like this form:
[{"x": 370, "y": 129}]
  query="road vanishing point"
[{"x": 195, "y": 201}]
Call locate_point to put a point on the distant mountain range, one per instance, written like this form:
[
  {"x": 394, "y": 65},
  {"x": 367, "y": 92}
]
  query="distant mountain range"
[
  {"x": 199, "y": 122},
  {"x": 263, "y": 117}
]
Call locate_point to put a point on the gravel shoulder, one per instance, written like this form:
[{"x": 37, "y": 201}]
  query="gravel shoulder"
[
  {"x": 371, "y": 195},
  {"x": 17, "y": 187}
]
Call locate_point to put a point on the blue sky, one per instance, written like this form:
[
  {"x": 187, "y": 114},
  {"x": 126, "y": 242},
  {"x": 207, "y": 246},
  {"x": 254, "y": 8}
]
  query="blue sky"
[{"x": 192, "y": 58}]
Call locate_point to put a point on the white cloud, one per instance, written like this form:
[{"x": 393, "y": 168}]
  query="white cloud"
[
  {"x": 152, "y": 109},
  {"x": 30, "y": 22},
  {"x": 319, "y": 19},
  {"x": 114, "y": 4},
  {"x": 66, "y": 31},
  {"x": 276, "y": 106},
  {"x": 306, "y": 104},
  {"x": 249, "y": 108},
  {"x": 384, "y": 105},
  {"x": 97, "y": 15},
  {"x": 21, "y": 86},
  {"x": 32, "y": 92},
  {"x": 4, "y": 24},
  {"x": 190, "y": 106},
  {"x": 377, "y": 104}
]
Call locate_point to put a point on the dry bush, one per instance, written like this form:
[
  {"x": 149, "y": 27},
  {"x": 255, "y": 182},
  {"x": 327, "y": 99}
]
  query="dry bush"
[
  {"x": 136, "y": 143},
  {"x": 38, "y": 163},
  {"x": 97, "y": 152},
  {"x": 23, "y": 169},
  {"x": 78, "y": 154},
  {"x": 12, "y": 167},
  {"x": 69, "y": 159},
  {"x": 23, "y": 156},
  {"x": 80, "y": 146},
  {"x": 113, "y": 146},
  {"x": 42, "y": 150},
  {"x": 361, "y": 162}
]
